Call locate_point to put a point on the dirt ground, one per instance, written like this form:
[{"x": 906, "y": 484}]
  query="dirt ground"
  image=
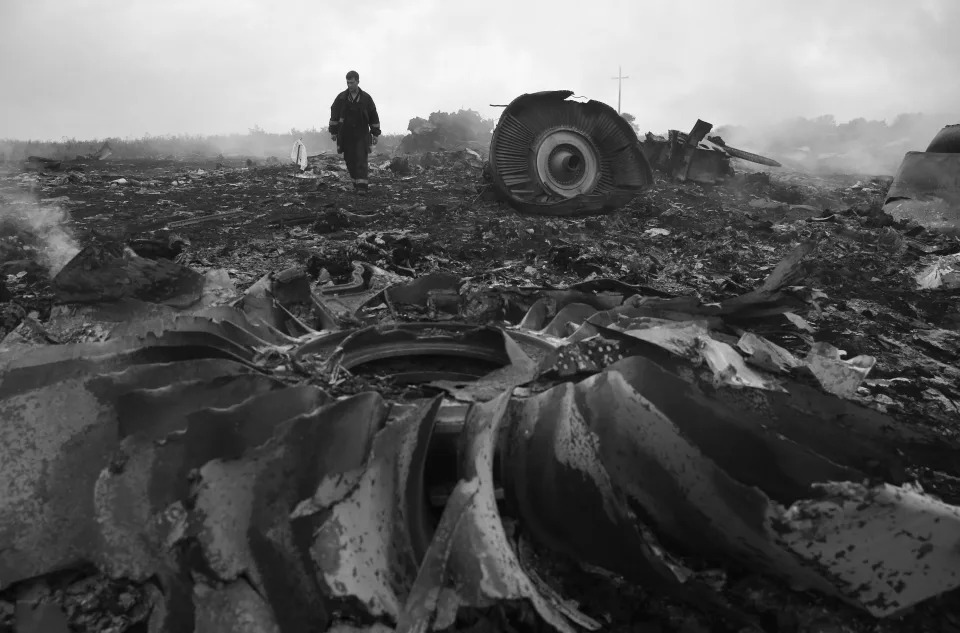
[{"x": 711, "y": 242}]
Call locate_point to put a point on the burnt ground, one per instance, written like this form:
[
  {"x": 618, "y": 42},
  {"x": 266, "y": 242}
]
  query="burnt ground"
[{"x": 712, "y": 242}]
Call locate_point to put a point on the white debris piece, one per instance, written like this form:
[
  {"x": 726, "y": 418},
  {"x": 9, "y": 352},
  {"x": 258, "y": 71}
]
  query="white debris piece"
[
  {"x": 839, "y": 377},
  {"x": 945, "y": 271},
  {"x": 298, "y": 154}
]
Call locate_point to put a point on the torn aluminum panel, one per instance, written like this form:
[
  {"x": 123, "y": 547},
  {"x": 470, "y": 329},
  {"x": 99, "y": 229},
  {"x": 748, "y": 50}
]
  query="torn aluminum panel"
[
  {"x": 141, "y": 508},
  {"x": 586, "y": 464},
  {"x": 551, "y": 156},
  {"x": 376, "y": 529},
  {"x": 471, "y": 561},
  {"x": 246, "y": 518},
  {"x": 888, "y": 547},
  {"x": 62, "y": 422}
]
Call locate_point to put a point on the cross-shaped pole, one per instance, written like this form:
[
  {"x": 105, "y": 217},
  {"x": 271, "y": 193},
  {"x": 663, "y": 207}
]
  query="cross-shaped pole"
[{"x": 619, "y": 79}]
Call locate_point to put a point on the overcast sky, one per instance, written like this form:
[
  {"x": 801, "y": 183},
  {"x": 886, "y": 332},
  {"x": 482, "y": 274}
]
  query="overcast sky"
[{"x": 90, "y": 69}]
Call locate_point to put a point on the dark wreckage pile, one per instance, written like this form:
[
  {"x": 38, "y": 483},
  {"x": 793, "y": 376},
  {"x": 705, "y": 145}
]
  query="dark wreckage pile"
[
  {"x": 469, "y": 419},
  {"x": 199, "y": 455}
]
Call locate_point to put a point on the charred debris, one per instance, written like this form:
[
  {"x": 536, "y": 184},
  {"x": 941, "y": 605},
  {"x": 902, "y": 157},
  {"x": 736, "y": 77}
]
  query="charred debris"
[{"x": 239, "y": 398}]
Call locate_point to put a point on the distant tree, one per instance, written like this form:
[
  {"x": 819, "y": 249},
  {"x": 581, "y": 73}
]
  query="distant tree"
[
  {"x": 825, "y": 121},
  {"x": 416, "y": 123},
  {"x": 632, "y": 120},
  {"x": 909, "y": 121}
]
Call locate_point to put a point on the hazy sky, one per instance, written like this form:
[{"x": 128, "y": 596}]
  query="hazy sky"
[{"x": 89, "y": 69}]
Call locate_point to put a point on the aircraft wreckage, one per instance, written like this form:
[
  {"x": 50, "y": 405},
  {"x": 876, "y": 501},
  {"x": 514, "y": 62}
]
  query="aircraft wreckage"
[
  {"x": 926, "y": 188},
  {"x": 550, "y": 155},
  {"x": 696, "y": 156},
  {"x": 553, "y": 156},
  {"x": 610, "y": 423}
]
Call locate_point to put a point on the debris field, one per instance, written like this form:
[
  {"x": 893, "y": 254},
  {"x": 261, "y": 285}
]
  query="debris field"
[{"x": 237, "y": 396}]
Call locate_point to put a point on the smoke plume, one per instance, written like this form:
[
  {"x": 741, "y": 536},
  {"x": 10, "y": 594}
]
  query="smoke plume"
[
  {"x": 36, "y": 230},
  {"x": 821, "y": 145}
]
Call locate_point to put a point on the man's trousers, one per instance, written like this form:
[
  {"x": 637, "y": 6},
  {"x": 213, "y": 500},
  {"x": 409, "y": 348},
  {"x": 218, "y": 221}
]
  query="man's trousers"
[{"x": 355, "y": 151}]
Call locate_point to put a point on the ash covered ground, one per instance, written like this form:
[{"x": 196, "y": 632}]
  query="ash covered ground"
[{"x": 855, "y": 288}]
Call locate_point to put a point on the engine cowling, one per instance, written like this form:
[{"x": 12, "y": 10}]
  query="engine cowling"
[{"x": 554, "y": 156}]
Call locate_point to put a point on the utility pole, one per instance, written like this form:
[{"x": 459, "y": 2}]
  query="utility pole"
[{"x": 619, "y": 79}]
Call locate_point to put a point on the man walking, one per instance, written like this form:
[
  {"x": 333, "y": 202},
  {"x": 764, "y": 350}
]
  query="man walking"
[{"x": 355, "y": 126}]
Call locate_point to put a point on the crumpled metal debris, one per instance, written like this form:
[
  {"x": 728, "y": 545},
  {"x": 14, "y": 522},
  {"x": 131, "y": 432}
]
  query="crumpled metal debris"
[
  {"x": 452, "y": 573},
  {"x": 696, "y": 156},
  {"x": 376, "y": 528},
  {"x": 672, "y": 433},
  {"x": 602, "y": 442}
]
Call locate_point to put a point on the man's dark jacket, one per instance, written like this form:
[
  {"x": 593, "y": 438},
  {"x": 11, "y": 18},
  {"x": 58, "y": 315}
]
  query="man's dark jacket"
[{"x": 368, "y": 110}]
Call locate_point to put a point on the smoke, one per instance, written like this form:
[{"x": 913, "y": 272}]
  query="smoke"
[
  {"x": 37, "y": 230},
  {"x": 821, "y": 145},
  {"x": 448, "y": 130}
]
